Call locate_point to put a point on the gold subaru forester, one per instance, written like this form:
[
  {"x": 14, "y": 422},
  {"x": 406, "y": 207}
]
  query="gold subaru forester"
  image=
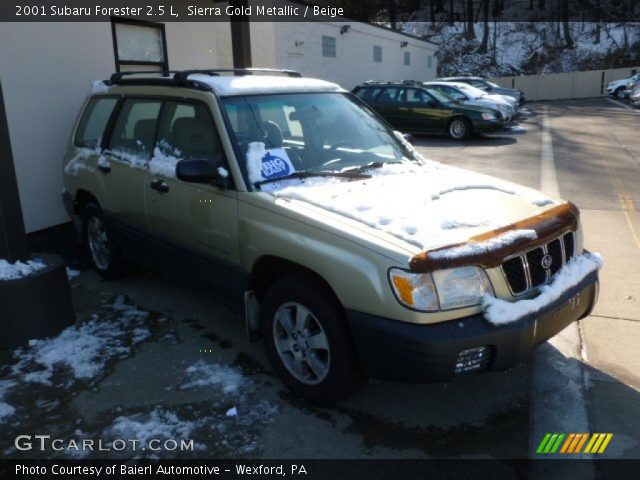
[{"x": 350, "y": 254}]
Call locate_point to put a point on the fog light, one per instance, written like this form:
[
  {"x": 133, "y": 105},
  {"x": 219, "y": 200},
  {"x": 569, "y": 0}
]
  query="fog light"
[{"x": 473, "y": 359}]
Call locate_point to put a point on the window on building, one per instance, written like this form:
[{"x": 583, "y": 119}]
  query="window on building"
[
  {"x": 93, "y": 122},
  {"x": 429, "y": 61},
  {"x": 407, "y": 58},
  {"x": 139, "y": 45},
  {"x": 377, "y": 54},
  {"x": 328, "y": 46},
  {"x": 135, "y": 129}
]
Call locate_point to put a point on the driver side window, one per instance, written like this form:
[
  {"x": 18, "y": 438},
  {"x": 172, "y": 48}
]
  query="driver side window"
[{"x": 187, "y": 131}]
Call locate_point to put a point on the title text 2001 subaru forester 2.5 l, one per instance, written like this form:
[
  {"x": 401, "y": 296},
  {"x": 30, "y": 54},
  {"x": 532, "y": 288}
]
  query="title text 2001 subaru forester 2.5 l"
[{"x": 354, "y": 256}]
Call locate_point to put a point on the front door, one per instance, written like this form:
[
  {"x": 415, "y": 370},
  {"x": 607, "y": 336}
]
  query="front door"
[{"x": 198, "y": 221}]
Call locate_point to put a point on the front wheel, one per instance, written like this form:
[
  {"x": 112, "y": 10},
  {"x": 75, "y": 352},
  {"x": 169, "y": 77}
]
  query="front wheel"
[
  {"x": 459, "y": 128},
  {"x": 307, "y": 340},
  {"x": 620, "y": 93}
]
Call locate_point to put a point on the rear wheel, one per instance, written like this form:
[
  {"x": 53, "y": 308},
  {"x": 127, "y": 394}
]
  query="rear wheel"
[
  {"x": 105, "y": 254},
  {"x": 459, "y": 128},
  {"x": 307, "y": 340}
]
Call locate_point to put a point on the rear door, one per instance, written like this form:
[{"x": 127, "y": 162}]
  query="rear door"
[
  {"x": 197, "y": 222},
  {"x": 421, "y": 112},
  {"x": 388, "y": 104},
  {"x": 125, "y": 161}
]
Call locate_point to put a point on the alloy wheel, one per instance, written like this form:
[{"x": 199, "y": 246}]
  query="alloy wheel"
[{"x": 301, "y": 343}]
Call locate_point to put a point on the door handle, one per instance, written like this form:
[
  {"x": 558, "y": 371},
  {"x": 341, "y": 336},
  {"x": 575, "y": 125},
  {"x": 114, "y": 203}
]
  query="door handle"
[
  {"x": 104, "y": 168},
  {"x": 160, "y": 186}
]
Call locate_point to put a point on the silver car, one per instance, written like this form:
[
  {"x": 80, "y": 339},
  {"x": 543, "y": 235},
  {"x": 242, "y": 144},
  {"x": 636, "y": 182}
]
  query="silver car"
[
  {"x": 474, "y": 96},
  {"x": 489, "y": 87}
]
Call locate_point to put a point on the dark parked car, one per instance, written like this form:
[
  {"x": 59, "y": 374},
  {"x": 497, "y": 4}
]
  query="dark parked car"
[
  {"x": 488, "y": 87},
  {"x": 413, "y": 107}
]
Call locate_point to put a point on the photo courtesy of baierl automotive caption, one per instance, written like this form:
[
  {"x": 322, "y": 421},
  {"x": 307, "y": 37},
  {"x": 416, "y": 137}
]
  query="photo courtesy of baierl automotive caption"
[{"x": 124, "y": 469}]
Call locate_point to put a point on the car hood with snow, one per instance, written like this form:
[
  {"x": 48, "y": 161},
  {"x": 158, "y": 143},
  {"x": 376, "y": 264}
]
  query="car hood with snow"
[{"x": 418, "y": 207}]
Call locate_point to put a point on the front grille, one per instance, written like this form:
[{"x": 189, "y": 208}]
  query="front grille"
[{"x": 535, "y": 267}]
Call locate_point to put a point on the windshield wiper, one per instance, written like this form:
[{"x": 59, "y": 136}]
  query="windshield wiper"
[
  {"x": 307, "y": 174},
  {"x": 368, "y": 166}
]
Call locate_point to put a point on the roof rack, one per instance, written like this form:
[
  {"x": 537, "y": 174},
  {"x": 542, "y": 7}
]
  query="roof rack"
[{"x": 180, "y": 78}]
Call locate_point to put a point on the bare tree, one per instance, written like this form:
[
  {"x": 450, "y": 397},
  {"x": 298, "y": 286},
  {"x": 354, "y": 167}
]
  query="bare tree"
[
  {"x": 470, "y": 31},
  {"x": 568, "y": 41},
  {"x": 485, "y": 32}
]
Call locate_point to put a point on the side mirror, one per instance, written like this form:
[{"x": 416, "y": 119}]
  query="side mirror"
[
  {"x": 199, "y": 171},
  {"x": 409, "y": 138}
]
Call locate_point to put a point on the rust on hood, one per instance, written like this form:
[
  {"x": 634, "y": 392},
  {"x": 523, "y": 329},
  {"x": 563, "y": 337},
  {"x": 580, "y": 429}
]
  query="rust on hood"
[{"x": 548, "y": 225}]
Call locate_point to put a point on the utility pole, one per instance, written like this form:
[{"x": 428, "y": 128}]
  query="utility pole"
[
  {"x": 241, "y": 38},
  {"x": 13, "y": 240}
]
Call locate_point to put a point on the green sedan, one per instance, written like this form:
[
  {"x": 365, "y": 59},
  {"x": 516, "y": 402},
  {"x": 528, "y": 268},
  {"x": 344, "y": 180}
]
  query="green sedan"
[{"x": 411, "y": 107}]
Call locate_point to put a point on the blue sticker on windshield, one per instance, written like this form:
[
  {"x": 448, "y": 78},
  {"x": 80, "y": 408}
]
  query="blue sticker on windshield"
[{"x": 274, "y": 166}]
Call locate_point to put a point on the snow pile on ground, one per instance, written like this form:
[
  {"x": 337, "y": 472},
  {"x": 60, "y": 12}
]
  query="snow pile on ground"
[
  {"x": 6, "y": 410},
  {"x": 13, "y": 271},
  {"x": 71, "y": 273},
  {"x": 83, "y": 351},
  {"x": 411, "y": 201},
  {"x": 158, "y": 424},
  {"x": 500, "y": 312},
  {"x": 479, "y": 248},
  {"x": 203, "y": 374}
]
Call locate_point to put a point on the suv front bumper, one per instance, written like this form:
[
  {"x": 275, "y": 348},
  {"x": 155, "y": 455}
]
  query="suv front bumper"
[{"x": 393, "y": 350}]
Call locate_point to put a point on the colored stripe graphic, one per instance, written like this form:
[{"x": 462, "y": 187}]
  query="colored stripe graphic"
[{"x": 573, "y": 443}]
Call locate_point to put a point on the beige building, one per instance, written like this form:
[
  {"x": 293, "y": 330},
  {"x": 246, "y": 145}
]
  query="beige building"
[{"x": 46, "y": 70}]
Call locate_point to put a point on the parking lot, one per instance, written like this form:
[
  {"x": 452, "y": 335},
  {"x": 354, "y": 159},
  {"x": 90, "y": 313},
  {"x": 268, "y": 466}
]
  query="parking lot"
[{"x": 180, "y": 364}]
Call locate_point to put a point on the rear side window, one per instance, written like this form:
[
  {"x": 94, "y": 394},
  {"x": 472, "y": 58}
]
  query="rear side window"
[
  {"x": 134, "y": 133},
  {"x": 94, "y": 121},
  {"x": 389, "y": 95}
]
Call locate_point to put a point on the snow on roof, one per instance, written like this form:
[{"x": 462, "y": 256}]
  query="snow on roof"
[{"x": 257, "y": 84}]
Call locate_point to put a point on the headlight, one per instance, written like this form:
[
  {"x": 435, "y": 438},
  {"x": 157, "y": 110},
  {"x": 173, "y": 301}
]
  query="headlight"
[
  {"x": 488, "y": 115},
  {"x": 461, "y": 287},
  {"x": 440, "y": 290}
]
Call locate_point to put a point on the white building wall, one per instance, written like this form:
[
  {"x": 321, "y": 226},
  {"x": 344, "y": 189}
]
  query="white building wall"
[
  {"x": 299, "y": 47},
  {"x": 46, "y": 70}
]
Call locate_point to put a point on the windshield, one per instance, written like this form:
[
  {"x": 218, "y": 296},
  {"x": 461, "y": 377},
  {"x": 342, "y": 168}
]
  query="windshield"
[
  {"x": 492, "y": 84},
  {"x": 285, "y": 134}
]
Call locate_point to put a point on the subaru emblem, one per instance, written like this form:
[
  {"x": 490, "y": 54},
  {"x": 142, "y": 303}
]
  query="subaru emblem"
[{"x": 546, "y": 262}]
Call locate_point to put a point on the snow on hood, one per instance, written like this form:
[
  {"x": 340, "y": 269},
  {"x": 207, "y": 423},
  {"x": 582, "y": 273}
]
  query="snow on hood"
[{"x": 427, "y": 206}]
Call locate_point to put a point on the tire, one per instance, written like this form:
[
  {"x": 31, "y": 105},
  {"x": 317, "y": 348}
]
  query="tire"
[
  {"x": 619, "y": 93},
  {"x": 459, "y": 128},
  {"x": 297, "y": 351},
  {"x": 103, "y": 251}
]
